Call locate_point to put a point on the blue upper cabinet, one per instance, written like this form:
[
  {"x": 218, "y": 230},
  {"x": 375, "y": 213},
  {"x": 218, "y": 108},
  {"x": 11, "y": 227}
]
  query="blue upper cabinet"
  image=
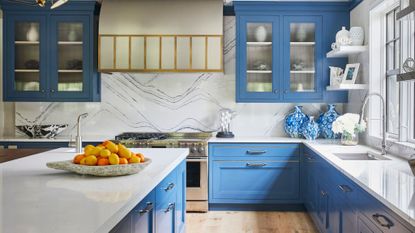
[
  {"x": 50, "y": 55},
  {"x": 281, "y": 51}
]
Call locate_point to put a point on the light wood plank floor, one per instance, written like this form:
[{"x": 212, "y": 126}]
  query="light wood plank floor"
[{"x": 249, "y": 222}]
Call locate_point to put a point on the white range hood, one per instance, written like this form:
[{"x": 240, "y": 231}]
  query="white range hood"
[{"x": 161, "y": 35}]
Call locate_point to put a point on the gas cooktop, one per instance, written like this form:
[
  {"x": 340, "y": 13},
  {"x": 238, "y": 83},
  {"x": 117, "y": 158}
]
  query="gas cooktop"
[{"x": 161, "y": 136}]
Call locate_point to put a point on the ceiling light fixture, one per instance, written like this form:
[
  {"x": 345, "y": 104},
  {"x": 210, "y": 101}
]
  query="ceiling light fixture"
[
  {"x": 41, "y": 3},
  {"x": 57, "y": 3}
]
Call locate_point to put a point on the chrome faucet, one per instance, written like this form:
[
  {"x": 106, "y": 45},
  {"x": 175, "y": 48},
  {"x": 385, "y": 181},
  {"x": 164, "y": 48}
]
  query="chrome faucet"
[
  {"x": 78, "y": 139},
  {"x": 367, "y": 97}
]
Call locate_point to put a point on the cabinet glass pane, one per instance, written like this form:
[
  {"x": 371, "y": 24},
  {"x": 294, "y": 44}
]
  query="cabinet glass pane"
[
  {"x": 259, "y": 57},
  {"x": 302, "y": 54},
  {"x": 27, "y": 55},
  {"x": 70, "y": 54}
]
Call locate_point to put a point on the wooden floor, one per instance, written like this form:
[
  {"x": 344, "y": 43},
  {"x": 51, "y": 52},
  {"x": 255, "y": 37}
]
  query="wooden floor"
[{"x": 249, "y": 222}]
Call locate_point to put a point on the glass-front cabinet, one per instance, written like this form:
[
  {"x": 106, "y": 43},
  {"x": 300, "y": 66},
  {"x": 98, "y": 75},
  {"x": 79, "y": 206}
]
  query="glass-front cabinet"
[
  {"x": 50, "y": 56},
  {"x": 302, "y": 53}
]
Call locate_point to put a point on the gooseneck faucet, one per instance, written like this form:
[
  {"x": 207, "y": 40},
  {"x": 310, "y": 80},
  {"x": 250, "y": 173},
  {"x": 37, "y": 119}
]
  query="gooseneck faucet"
[
  {"x": 78, "y": 138},
  {"x": 367, "y": 97}
]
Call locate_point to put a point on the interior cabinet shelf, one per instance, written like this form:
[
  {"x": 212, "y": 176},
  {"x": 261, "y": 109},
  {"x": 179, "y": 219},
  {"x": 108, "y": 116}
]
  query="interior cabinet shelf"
[
  {"x": 26, "y": 70},
  {"x": 70, "y": 42},
  {"x": 259, "y": 71},
  {"x": 302, "y": 43},
  {"x": 345, "y": 51},
  {"x": 27, "y": 42},
  {"x": 259, "y": 43},
  {"x": 70, "y": 71},
  {"x": 302, "y": 71}
]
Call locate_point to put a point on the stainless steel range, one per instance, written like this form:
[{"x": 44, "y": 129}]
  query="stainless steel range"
[{"x": 197, "y": 161}]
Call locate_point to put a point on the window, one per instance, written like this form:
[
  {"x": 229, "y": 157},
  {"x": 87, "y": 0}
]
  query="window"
[{"x": 392, "y": 59}]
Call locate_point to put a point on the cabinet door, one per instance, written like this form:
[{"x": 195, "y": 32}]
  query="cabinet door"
[
  {"x": 25, "y": 64},
  {"x": 124, "y": 226},
  {"x": 181, "y": 198},
  {"x": 303, "y": 58},
  {"x": 70, "y": 74},
  {"x": 143, "y": 215},
  {"x": 322, "y": 209},
  {"x": 165, "y": 217},
  {"x": 255, "y": 181},
  {"x": 365, "y": 226},
  {"x": 310, "y": 184},
  {"x": 258, "y": 58}
]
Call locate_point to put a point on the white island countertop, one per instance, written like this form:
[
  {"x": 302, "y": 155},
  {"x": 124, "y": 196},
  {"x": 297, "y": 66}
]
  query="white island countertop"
[{"x": 37, "y": 199}]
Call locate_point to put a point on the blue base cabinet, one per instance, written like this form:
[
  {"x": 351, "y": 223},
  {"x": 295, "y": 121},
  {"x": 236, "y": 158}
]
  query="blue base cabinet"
[
  {"x": 281, "y": 51},
  {"x": 254, "y": 174},
  {"x": 50, "y": 55},
  {"x": 161, "y": 211}
]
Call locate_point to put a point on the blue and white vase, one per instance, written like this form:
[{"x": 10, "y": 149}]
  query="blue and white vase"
[
  {"x": 325, "y": 122},
  {"x": 311, "y": 129},
  {"x": 294, "y": 122}
]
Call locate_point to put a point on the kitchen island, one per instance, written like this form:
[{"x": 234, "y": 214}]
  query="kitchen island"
[{"x": 35, "y": 198}]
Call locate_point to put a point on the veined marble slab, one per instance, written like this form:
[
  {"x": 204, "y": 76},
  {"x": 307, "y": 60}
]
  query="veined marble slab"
[{"x": 35, "y": 198}]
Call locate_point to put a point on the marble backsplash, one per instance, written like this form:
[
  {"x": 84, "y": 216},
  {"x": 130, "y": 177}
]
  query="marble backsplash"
[{"x": 184, "y": 102}]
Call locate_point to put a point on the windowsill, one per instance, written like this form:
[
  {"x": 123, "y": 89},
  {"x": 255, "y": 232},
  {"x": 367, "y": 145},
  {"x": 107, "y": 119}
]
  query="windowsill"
[{"x": 395, "y": 141}]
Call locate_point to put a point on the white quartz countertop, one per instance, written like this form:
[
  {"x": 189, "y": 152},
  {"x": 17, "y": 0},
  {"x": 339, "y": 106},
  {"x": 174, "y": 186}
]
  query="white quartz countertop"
[
  {"x": 22, "y": 138},
  {"x": 389, "y": 181},
  {"x": 37, "y": 199}
]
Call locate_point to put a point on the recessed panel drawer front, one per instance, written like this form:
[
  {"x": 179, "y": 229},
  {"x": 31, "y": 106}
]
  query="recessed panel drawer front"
[
  {"x": 252, "y": 150},
  {"x": 255, "y": 181},
  {"x": 167, "y": 187}
]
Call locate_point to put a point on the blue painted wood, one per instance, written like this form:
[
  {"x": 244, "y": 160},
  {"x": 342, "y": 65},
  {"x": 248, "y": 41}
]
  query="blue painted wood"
[
  {"x": 181, "y": 198},
  {"x": 143, "y": 216},
  {"x": 167, "y": 188},
  {"x": 328, "y": 15},
  {"x": 256, "y": 207},
  {"x": 254, "y": 151},
  {"x": 76, "y": 11}
]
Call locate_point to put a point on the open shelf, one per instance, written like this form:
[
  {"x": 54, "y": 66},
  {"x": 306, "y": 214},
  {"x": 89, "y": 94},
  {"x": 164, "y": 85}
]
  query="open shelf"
[
  {"x": 259, "y": 43},
  {"x": 26, "y": 42},
  {"x": 26, "y": 70},
  {"x": 346, "y": 87},
  {"x": 345, "y": 51},
  {"x": 302, "y": 43},
  {"x": 259, "y": 71},
  {"x": 70, "y": 42}
]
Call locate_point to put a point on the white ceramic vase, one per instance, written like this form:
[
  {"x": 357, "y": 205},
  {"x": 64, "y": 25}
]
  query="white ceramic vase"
[
  {"x": 260, "y": 34},
  {"x": 72, "y": 36},
  {"x": 343, "y": 37},
  {"x": 357, "y": 35},
  {"x": 32, "y": 34},
  {"x": 301, "y": 34}
]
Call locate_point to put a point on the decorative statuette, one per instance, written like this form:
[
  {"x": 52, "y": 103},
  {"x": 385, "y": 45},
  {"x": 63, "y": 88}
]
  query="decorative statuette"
[
  {"x": 261, "y": 34},
  {"x": 72, "y": 36},
  {"x": 343, "y": 37},
  {"x": 301, "y": 34},
  {"x": 32, "y": 34},
  {"x": 357, "y": 35}
]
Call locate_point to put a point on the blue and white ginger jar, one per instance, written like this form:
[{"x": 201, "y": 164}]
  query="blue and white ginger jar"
[
  {"x": 294, "y": 122},
  {"x": 311, "y": 129},
  {"x": 325, "y": 122}
]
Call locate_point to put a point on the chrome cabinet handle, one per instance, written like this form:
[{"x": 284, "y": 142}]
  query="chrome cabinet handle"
[
  {"x": 345, "y": 188},
  {"x": 148, "y": 208},
  {"x": 323, "y": 193},
  {"x": 169, "y": 187},
  {"x": 169, "y": 208},
  {"x": 309, "y": 158},
  {"x": 256, "y": 152},
  {"x": 256, "y": 164},
  {"x": 286, "y": 91},
  {"x": 276, "y": 91},
  {"x": 52, "y": 90},
  {"x": 386, "y": 221},
  {"x": 43, "y": 91}
]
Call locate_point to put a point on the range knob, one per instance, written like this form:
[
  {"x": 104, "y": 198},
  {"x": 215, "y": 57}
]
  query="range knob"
[
  {"x": 201, "y": 150},
  {"x": 193, "y": 149}
]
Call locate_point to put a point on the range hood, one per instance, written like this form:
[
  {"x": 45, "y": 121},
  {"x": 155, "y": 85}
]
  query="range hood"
[
  {"x": 161, "y": 35},
  {"x": 197, "y": 17}
]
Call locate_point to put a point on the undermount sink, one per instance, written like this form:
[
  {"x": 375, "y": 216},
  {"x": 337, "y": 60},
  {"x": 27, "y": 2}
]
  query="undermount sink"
[{"x": 360, "y": 156}]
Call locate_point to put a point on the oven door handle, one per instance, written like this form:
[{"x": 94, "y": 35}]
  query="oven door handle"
[{"x": 196, "y": 160}]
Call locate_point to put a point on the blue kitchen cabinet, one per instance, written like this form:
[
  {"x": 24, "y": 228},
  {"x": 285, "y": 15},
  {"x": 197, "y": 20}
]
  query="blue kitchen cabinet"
[
  {"x": 181, "y": 199},
  {"x": 143, "y": 215},
  {"x": 281, "y": 51},
  {"x": 254, "y": 174},
  {"x": 50, "y": 55}
]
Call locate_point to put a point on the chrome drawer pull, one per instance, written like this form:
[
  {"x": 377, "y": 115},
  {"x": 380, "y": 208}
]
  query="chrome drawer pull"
[
  {"x": 148, "y": 208},
  {"x": 170, "y": 207},
  {"x": 345, "y": 188},
  {"x": 323, "y": 193},
  {"x": 309, "y": 158},
  {"x": 169, "y": 187},
  {"x": 255, "y": 152},
  {"x": 256, "y": 164},
  {"x": 386, "y": 223}
]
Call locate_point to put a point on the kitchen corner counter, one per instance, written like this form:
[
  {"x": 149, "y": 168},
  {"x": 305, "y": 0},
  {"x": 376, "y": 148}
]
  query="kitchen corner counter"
[
  {"x": 259, "y": 139},
  {"x": 21, "y": 138},
  {"x": 40, "y": 199}
]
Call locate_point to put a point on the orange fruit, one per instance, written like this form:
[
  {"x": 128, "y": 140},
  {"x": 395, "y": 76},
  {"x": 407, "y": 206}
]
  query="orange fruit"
[
  {"x": 103, "y": 162},
  {"x": 123, "y": 151},
  {"x": 141, "y": 156},
  {"x": 105, "y": 153},
  {"x": 83, "y": 161},
  {"x": 123, "y": 161},
  {"x": 114, "y": 159},
  {"x": 91, "y": 160},
  {"x": 78, "y": 158},
  {"x": 134, "y": 159}
]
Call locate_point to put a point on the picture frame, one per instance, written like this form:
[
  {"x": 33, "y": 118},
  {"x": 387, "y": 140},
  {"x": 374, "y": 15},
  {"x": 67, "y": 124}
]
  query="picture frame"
[{"x": 350, "y": 73}]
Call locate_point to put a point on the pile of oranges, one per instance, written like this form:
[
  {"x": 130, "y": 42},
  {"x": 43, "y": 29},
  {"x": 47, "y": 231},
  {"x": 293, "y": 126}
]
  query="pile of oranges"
[{"x": 107, "y": 153}]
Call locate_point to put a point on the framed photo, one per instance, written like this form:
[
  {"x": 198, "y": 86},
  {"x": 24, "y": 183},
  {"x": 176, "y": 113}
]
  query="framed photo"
[{"x": 350, "y": 73}]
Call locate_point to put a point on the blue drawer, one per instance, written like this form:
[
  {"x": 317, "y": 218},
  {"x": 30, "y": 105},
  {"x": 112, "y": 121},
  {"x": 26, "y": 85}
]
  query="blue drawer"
[
  {"x": 167, "y": 187},
  {"x": 253, "y": 150}
]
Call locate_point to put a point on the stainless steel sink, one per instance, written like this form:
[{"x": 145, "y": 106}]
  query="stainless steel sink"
[{"x": 360, "y": 156}]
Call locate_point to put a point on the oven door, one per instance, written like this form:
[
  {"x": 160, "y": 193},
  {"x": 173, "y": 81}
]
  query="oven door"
[{"x": 197, "y": 179}]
